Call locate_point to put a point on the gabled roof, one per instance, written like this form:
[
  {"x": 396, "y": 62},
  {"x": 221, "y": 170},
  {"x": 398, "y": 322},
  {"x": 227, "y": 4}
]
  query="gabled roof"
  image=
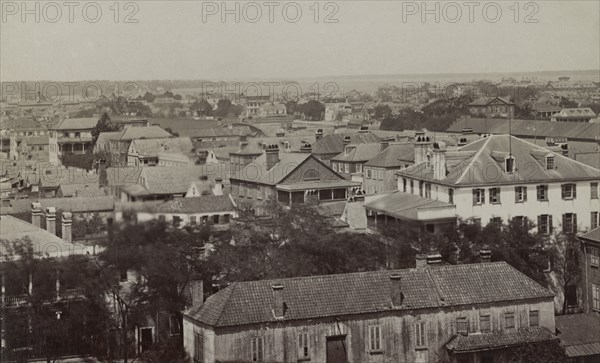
[
  {"x": 481, "y": 163},
  {"x": 394, "y": 156},
  {"x": 592, "y": 159},
  {"x": 334, "y": 143},
  {"x": 152, "y": 147},
  {"x": 484, "y": 101},
  {"x": 403, "y": 205},
  {"x": 579, "y": 333},
  {"x": 314, "y": 297},
  {"x": 593, "y": 235},
  {"x": 257, "y": 172},
  {"x": 358, "y": 152},
  {"x": 175, "y": 179},
  {"x": 150, "y": 132},
  {"x": 86, "y": 123}
]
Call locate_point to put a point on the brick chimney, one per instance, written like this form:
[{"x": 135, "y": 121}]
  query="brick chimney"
[
  {"x": 51, "y": 220},
  {"x": 396, "y": 290},
  {"x": 439, "y": 161},
  {"x": 36, "y": 214},
  {"x": 421, "y": 147},
  {"x": 485, "y": 255},
  {"x": 421, "y": 261},
  {"x": 363, "y": 129},
  {"x": 65, "y": 225},
  {"x": 434, "y": 258},
  {"x": 272, "y": 154},
  {"x": 278, "y": 303},
  {"x": 306, "y": 148},
  {"x": 319, "y": 134},
  {"x": 347, "y": 140}
]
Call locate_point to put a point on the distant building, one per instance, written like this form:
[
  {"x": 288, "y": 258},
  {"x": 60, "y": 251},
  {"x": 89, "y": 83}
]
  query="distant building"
[
  {"x": 455, "y": 313},
  {"x": 379, "y": 173},
  {"x": 146, "y": 152},
  {"x": 272, "y": 109},
  {"x": 328, "y": 146},
  {"x": 492, "y": 107},
  {"x": 579, "y": 334},
  {"x": 545, "y": 110},
  {"x": 119, "y": 144},
  {"x": 589, "y": 290},
  {"x": 75, "y": 135},
  {"x": 350, "y": 162},
  {"x": 574, "y": 115}
]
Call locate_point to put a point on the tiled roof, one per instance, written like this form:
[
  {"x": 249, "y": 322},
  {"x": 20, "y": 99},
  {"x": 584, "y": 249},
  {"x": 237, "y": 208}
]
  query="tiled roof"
[
  {"x": 70, "y": 204},
  {"x": 176, "y": 179},
  {"x": 77, "y": 123},
  {"x": 203, "y": 204},
  {"x": 150, "y": 132},
  {"x": 334, "y": 143},
  {"x": 403, "y": 205},
  {"x": 592, "y": 159},
  {"x": 498, "y": 339},
  {"x": 367, "y": 292},
  {"x": 43, "y": 242},
  {"x": 394, "y": 156},
  {"x": 151, "y": 147},
  {"x": 593, "y": 235},
  {"x": 27, "y": 124},
  {"x": 529, "y": 128},
  {"x": 478, "y": 164},
  {"x": 579, "y": 333},
  {"x": 257, "y": 172},
  {"x": 358, "y": 152}
]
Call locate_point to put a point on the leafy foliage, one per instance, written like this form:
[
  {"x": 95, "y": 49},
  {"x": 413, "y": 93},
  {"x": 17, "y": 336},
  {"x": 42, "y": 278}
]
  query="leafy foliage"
[{"x": 551, "y": 352}]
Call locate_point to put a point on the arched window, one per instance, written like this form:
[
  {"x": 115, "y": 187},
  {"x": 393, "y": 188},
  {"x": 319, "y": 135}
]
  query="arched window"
[{"x": 311, "y": 174}]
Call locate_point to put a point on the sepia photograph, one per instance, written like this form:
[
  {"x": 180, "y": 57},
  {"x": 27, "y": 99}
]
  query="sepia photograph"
[{"x": 309, "y": 181}]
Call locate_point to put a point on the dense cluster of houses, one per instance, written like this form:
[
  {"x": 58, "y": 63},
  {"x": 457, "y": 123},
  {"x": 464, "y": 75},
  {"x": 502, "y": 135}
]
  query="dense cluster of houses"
[{"x": 488, "y": 168}]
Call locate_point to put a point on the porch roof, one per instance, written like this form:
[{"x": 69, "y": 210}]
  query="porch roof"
[
  {"x": 317, "y": 184},
  {"x": 498, "y": 340},
  {"x": 408, "y": 206}
]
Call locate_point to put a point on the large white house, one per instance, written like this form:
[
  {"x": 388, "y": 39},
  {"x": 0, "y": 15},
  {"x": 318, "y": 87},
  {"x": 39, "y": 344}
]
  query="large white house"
[{"x": 502, "y": 177}]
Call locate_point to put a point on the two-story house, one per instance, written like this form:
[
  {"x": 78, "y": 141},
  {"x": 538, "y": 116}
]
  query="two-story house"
[
  {"x": 118, "y": 144},
  {"x": 349, "y": 162},
  {"x": 379, "y": 173},
  {"x": 590, "y": 284},
  {"x": 456, "y": 313},
  {"x": 328, "y": 146},
  {"x": 145, "y": 152},
  {"x": 500, "y": 178},
  {"x": 288, "y": 178},
  {"x": 75, "y": 135},
  {"x": 492, "y": 107}
]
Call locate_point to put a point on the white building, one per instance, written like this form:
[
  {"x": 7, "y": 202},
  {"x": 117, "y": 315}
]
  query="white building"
[{"x": 503, "y": 177}]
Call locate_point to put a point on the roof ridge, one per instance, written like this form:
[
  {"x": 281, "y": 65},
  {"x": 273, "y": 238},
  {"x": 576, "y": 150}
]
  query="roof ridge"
[
  {"x": 475, "y": 157},
  {"x": 233, "y": 286}
]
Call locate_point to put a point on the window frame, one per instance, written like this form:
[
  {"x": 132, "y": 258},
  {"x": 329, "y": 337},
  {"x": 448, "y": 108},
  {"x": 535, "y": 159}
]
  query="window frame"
[
  {"x": 595, "y": 297},
  {"x": 198, "y": 347},
  {"x": 478, "y": 196},
  {"x": 521, "y": 194},
  {"x": 547, "y": 218},
  {"x": 550, "y": 162},
  {"x": 569, "y": 221},
  {"x": 594, "y": 219},
  {"x": 534, "y": 313},
  {"x": 256, "y": 354},
  {"x": 420, "y": 334},
  {"x": 487, "y": 318},
  {"x": 375, "y": 342},
  {"x": 571, "y": 188},
  {"x": 303, "y": 346},
  {"x": 594, "y": 256},
  {"x": 495, "y": 196},
  {"x": 509, "y": 316},
  {"x": 594, "y": 190},
  {"x": 461, "y": 322},
  {"x": 542, "y": 188}
]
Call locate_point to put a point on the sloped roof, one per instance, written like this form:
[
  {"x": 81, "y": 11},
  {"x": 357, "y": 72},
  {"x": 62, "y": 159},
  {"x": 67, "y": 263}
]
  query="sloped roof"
[
  {"x": 394, "y": 156},
  {"x": 579, "y": 333},
  {"x": 150, "y": 132},
  {"x": 27, "y": 124},
  {"x": 367, "y": 292},
  {"x": 334, "y": 143},
  {"x": 403, "y": 205},
  {"x": 358, "y": 152},
  {"x": 484, "y": 101},
  {"x": 203, "y": 204},
  {"x": 77, "y": 123},
  {"x": 576, "y": 112},
  {"x": 499, "y": 339},
  {"x": 257, "y": 172},
  {"x": 529, "y": 128},
  {"x": 477, "y": 164},
  {"x": 175, "y": 179},
  {"x": 152, "y": 147},
  {"x": 70, "y": 204},
  {"x": 593, "y": 235},
  {"x": 591, "y": 159},
  {"x": 43, "y": 242}
]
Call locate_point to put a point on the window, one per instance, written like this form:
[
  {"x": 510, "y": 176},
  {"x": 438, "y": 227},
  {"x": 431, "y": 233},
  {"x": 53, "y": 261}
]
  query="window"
[
  {"x": 462, "y": 326},
  {"x": 161, "y": 218},
  {"x": 594, "y": 256},
  {"x": 509, "y": 320},
  {"x": 359, "y": 168},
  {"x": 594, "y": 190},
  {"x": 173, "y": 325},
  {"x": 412, "y": 187},
  {"x": 404, "y": 185},
  {"x": 176, "y": 221},
  {"x": 375, "y": 338},
  {"x": 198, "y": 347},
  {"x": 216, "y": 219},
  {"x": 569, "y": 191},
  {"x": 347, "y": 168},
  {"x": 368, "y": 173},
  {"x": 380, "y": 174},
  {"x": 596, "y": 297},
  {"x": 542, "y": 193},
  {"x": 303, "y": 346},
  {"x": 496, "y": 222},
  {"x": 569, "y": 222},
  {"x": 428, "y": 191},
  {"x": 193, "y": 220},
  {"x": 509, "y": 164},
  {"x": 545, "y": 224},
  {"x": 520, "y": 221},
  {"x": 451, "y": 196},
  {"x": 485, "y": 322},
  {"x": 520, "y": 194},
  {"x": 225, "y": 218},
  {"x": 550, "y": 163},
  {"x": 534, "y": 318},
  {"x": 259, "y": 192},
  {"x": 595, "y": 220},
  {"x": 495, "y": 195},
  {"x": 334, "y": 166},
  {"x": 478, "y": 196},
  {"x": 123, "y": 274},
  {"x": 420, "y": 334},
  {"x": 257, "y": 352}
]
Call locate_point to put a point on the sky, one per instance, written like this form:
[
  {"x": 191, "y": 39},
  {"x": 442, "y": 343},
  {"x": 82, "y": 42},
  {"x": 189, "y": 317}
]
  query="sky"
[{"x": 191, "y": 40}]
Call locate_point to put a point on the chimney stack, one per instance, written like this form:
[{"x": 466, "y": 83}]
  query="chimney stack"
[
  {"x": 396, "y": 290},
  {"x": 434, "y": 258},
  {"x": 306, "y": 148},
  {"x": 421, "y": 261},
  {"x": 51, "y": 220},
  {"x": 363, "y": 129},
  {"x": 102, "y": 175},
  {"x": 65, "y": 225},
  {"x": 319, "y": 134},
  {"x": 278, "y": 308},
  {"x": 272, "y": 154},
  {"x": 218, "y": 188},
  {"x": 421, "y": 147},
  {"x": 347, "y": 140},
  {"x": 454, "y": 254},
  {"x": 485, "y": 255},
  {"x": 36, "y": 214},
  {"x": 439, "y": 161}
]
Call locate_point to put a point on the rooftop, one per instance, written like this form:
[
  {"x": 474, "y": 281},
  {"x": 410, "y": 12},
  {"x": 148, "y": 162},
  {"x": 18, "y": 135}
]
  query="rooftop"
[
  {"x": 358, "y": 152},
  {"x": 394, "y": 156},
  {"x": 498, "y": 339},
  {"x": 86, "y": 123},
  {"x": 152, "y": 147},
  {"x": 203, "y": 204},
  {"x": 334, "y": 143},
  {"x": 579, "y": 333},
  {"x": 406, "y": 206},
  {"x": 314, "y": 297}
]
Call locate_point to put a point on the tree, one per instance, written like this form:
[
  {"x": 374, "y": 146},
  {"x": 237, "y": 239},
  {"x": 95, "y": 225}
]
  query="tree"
[
  {"x": 202, "y": 107},
  {"x": 313, "y": 110},
  {"x": 548, "y": 352},
  {"x": 104, "y": 124},
  {"x": 223, "y": 108},
  {"x": 382, "y": 111},
  {"x": 566, "y": 260},
  {"x": 567, "y": 103},
  {"x": 149, "y": 97}
]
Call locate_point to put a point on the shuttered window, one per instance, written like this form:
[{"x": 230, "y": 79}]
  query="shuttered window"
[
  {"x": 303, "y": 346},
  {"x": 420, "y": 334},
  {"x": 569, "y": 223},
  {"x": 375, "y": 338},
  {"x": 257, "y": 349},
  {"x": 198, "y": 348}
]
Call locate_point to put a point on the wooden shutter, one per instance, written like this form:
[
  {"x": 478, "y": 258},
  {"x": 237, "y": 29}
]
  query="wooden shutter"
[
  {"x": 562, "y": 191},
  {"x": 550, "y": 227},
  {"x": 524, "y": 189},
  {"x": 574, "y": 186},
  {"x": 539, "y": 223},
  {"x": 574, "y": 222},
  {"x": 564, "y": 223},
  {"x": 474, "y": 196}
]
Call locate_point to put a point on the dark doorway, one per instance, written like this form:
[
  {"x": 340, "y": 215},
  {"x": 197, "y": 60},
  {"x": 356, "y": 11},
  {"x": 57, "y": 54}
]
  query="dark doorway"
[
  {"x": 336, "y": 349},
  {"x": 146, "y": 341}
]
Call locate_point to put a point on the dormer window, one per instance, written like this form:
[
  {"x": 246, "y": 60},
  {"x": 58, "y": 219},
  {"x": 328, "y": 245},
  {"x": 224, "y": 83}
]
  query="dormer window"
[
  {"x": 550, "y": 163},
  {"x": 509, "y": 164}
]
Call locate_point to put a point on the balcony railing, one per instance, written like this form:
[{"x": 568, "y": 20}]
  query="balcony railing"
[{"x": 23, "y": 299}]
